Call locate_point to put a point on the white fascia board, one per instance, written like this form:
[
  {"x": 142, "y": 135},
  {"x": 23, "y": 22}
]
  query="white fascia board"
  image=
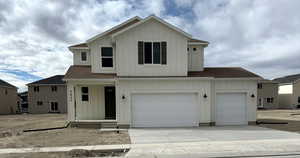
[
  {"x": 246, "y": 78},
  {"x": 90, "y": 79},
  {"x": 149, "y": 18},
  {"x": 113, "y": 28},
  {"x": 168, "y": 78},
  {"x": 78, "y": 48},
  {"x": 197, "y": 43}
]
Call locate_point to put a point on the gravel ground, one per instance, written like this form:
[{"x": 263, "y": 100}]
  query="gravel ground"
[
  {"x": 285, "y": 120},
  {"x": 11, "y": 135}
]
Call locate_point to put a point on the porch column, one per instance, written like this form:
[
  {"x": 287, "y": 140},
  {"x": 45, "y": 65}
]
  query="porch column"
[{"x": 71, "y": 101}]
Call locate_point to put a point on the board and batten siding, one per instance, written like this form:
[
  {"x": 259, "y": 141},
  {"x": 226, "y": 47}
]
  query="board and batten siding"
[
  {"x": 96, "y": 61},
  {"x": 127, "y": 88},
  {"x": 195, "y": 58},
  {"x": 151, "y": 31},
  {"x": 77, "y": 57},
  {"x": 237, "y": 86},
  {"x": 94, "y": 108}
]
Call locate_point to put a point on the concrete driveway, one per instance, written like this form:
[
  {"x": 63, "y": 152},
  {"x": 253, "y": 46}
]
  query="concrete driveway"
[
  {"x": 213, "y": 142},
  {"x": 228, "y": 133}
]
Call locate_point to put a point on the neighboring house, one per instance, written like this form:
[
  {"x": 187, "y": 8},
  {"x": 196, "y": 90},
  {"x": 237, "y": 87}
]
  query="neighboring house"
[
  {"x": 23, "y": 101},
  {"x": 48, "y": 95},
  {"x": 267, "y": 94},
  {"x": 289, "y": 91},
  {"x": 8, "y": 98},
  {"x": 149, "y": 73}
]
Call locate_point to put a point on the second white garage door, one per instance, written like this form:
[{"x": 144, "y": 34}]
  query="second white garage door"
[
  {"x": 231, "y": 109},
  {"x": 165, "y": 110}
]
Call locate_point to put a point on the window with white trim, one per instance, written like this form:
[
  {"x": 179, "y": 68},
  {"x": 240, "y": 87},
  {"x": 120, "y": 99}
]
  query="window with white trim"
[
  {"x": 152, "y": 52},
  {"x": 107, "y": 56},
  {"x": 83, "y": 56},
  {"x": 84, "y": 93}
]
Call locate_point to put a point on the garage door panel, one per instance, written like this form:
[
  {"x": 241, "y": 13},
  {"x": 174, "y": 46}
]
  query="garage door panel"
[
  {"x": 231, "y": 109},
  {"x": 165, "y": 110}
]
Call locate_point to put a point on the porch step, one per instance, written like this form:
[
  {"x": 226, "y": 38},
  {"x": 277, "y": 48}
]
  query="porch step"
[{"x": 109, "y": 125}]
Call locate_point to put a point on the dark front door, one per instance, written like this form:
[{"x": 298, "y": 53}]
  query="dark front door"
[{"x": 110, "y": 102}]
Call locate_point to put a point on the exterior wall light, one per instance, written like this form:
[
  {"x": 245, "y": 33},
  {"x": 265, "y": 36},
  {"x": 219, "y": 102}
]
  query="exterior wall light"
[
  {"x": 205, "y": 96},
  {"x": 123, "y": 97},
  {"x": 252, "y": 96}
]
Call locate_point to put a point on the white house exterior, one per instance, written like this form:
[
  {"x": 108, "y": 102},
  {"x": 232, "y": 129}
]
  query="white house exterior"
[{"x": 148, "y": 73}]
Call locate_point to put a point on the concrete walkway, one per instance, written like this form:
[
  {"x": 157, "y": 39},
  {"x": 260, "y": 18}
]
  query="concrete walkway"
[
  {"x": 65, "y": 149},
  {"x": 283, "y": 147}
]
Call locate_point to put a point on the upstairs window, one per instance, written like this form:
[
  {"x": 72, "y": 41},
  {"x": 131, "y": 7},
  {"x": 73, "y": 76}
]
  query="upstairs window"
[
  {"x": 107, "y": 56},
  {"x": 83, "y": 56},
  {"x": 152, "y": 52},
  {"x": 36, "y": 88},
  {"x": 259, "y": 86},
  {"x": 84, "y": 93},
  {"x": 54, "y": 88}
]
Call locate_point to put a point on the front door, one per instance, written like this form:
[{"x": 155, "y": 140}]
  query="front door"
[{"x": 110, "y": 102}]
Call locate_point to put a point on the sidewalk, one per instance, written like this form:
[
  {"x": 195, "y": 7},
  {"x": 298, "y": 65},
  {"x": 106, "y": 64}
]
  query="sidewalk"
[
  {"x": 187, "y": 149},
  {"x": 65, "y": 149}
]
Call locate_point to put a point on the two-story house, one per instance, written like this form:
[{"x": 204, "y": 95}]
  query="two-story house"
[
  {"x": 8, "y": 98},
  {"x": 149, "y": 73},
  {"x": 267, "y": 94},
  {"x": 48, "y": 95}
]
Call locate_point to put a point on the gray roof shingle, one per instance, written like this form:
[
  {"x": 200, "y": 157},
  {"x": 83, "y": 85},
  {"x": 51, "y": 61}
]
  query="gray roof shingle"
[
  {"x": 6, "y": 84},
  {"x": 57, "y": 79},
  {"x": 287, "y": 79}
]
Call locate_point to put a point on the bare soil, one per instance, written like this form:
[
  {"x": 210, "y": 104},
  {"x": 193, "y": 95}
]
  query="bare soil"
[
  {"x": 285, "y": 120},
  {"x": 13, "y": 137}
]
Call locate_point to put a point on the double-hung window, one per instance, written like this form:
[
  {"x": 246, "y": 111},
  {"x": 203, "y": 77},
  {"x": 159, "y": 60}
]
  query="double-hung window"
[
  {"x": 83, "y": 56},
  {"x": 54, "y": 88},
  {"x": 84, "y": 93},
  {"x": 107, "y": 56},
  {"x": 36, "y": 88},
  {"x": 152, "y": 52}
]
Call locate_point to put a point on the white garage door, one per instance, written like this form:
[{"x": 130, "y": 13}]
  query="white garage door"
[
  {"x": 165, "y": 110},
  {"x": 231, "y": 109}
]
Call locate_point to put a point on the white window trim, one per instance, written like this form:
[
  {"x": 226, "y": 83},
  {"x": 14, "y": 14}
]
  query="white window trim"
[
  {"x": 113, "y": 62},
  {"x": 84, "y": 61},
  {"x": 152, "y": 64},
  {"x": 82, "y": 93}
]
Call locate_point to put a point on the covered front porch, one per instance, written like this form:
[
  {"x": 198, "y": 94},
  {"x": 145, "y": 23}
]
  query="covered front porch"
[
  {"x": 91, "y": 97},
  {"x": 93, "y": 103}
]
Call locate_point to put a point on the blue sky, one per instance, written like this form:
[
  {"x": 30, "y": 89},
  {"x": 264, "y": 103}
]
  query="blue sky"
[{"x": 259, "y": 35}]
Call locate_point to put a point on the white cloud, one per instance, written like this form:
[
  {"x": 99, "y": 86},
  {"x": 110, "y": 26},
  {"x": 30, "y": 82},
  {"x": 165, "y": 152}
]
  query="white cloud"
[{"x": 248, "y": 33}]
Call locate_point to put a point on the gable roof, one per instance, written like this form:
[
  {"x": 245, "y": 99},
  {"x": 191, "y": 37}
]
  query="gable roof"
[
  {"x": 116, "y": 28},
  {"x": 57, "y": 79},
  {"x": 288, "y": 79},
  {"x": 6, "y": 84},
  {"x": 151, "y": 17}
]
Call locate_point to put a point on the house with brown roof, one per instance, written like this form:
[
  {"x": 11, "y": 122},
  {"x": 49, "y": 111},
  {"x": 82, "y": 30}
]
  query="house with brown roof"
[
  {"x": 48, "y": 95},
  {"x": 267, "y": 94},
  {"x": 8, "y": 98},
  {"x": 149, "y": 73},
  {"x": 289, "y": 91}
]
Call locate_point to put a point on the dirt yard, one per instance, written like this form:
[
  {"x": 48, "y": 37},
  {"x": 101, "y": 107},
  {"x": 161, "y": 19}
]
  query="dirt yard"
[
  {"x": 11, "y": 135},
  {"x": 286, "y": 120}
]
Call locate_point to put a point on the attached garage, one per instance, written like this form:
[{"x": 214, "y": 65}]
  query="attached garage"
[
  {"x": 231, "y": 109},
  {"x": 165, "y": 110}
]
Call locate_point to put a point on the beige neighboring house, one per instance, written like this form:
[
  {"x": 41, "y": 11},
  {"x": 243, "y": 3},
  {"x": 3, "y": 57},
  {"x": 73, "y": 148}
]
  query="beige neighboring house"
[
  {"x": 48, "y": 95},
  {"x": 289, "y": 91},
  {"x": 149, "y": 73},
  {"x": 267, "y": 94},
  {"x": 8, "y": 98}
]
